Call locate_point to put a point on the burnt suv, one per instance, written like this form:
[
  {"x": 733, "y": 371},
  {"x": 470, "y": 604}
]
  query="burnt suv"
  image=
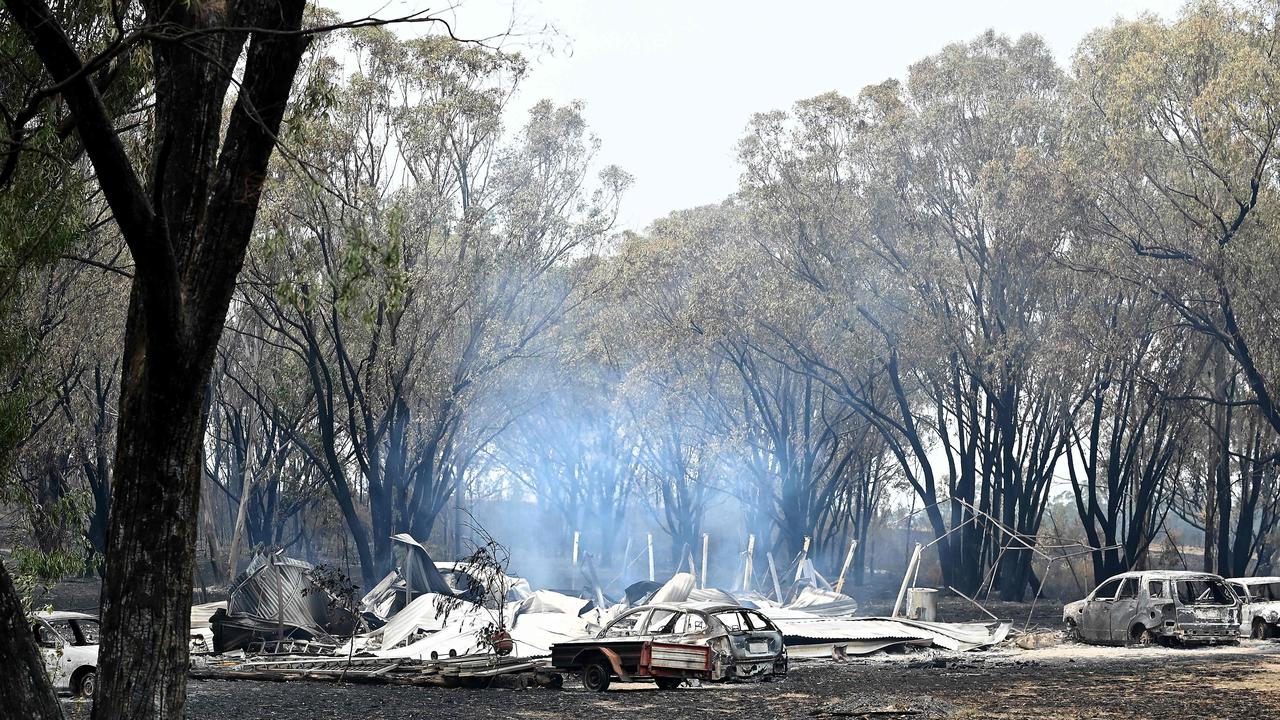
[{"x": 1143, "y": 608}]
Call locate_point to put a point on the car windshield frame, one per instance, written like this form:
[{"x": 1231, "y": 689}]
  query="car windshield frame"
[
  {"x": 670, "y": 622},
  {"x": 1097, "y": 592},
  {"x": 751, "y": 620},
  {"x": 1203, "y": 591},
  {"x": 1263, "y": 591},
  {"x": 84, "y": 638}
]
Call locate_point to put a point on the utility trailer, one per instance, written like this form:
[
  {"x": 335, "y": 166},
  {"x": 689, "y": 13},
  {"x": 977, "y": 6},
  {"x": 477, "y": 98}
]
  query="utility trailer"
[{"x": 600, "y": 660}]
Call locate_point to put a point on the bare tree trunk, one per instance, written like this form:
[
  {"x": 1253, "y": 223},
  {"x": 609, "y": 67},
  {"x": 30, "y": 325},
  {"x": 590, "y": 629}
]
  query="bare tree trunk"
[
  {"x": 1217, "y": 527},
  {"x": 25, "y": 690},
  {"x": 246, "y": 489},
  {"x": 187, "y": 227}
]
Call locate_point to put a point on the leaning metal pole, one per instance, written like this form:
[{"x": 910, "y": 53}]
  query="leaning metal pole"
[{"x": 906, "y": 579}]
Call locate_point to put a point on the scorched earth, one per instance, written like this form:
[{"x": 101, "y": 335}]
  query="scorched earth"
[{"x": 1064, "y": 681}]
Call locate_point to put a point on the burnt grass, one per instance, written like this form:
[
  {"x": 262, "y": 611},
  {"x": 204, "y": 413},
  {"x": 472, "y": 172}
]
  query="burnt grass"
[
  {"x": 1067, "y": 681},
  {"x": 1221, "y": 682}
]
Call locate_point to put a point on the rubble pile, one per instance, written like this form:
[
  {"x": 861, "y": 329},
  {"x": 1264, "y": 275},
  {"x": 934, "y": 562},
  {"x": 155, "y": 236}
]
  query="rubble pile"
[{"x": 434, "y": 622}]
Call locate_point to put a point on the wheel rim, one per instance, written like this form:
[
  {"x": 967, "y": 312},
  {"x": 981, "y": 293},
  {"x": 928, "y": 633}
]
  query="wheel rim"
[
  {"x": 1259, "y": 629},
  {"x": 595, "y": 677},
  {"x": 1144, "y": 638},
  {"x": 86, "y": 684}
]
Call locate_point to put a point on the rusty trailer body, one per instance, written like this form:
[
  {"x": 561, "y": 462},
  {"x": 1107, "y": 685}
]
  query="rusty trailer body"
[{"x": 600, "y": 661}]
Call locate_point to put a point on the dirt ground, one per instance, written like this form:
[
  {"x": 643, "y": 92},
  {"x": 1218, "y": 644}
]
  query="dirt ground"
[
  {"x": 1066, "y": 681},
  {"x": 1061, "y": 682}
]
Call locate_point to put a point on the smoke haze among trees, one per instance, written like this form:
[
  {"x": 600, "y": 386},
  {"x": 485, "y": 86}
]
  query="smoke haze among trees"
[{"x": 994, "y": 295}]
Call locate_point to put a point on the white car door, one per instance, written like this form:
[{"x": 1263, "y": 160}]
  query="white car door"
[
  {"x": 53, "y": 648},
  {"x": 1246, "y": 613}
]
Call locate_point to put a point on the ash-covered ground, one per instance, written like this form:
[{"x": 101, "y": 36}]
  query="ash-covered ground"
[
  {"x": 1058, "y": 682},
  {"x": 1065, "y": 681}
]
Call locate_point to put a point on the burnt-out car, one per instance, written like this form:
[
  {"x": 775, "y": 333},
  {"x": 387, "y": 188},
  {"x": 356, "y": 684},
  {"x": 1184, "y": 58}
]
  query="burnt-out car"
[
  {"x": 1156, "y": 606},
  {"x": 673, "y": 642},
  {"x": 1260, "y": 609}
]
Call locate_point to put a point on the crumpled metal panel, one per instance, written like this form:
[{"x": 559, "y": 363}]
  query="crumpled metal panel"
[{"x": 277, "y": 589}]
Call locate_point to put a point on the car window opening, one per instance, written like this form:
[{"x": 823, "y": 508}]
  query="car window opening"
[{"x": 1203, "y": 592}]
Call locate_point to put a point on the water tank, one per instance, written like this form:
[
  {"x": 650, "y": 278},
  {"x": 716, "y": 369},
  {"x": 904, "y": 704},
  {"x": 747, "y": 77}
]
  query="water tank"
[{"x": 922, "y": 604}]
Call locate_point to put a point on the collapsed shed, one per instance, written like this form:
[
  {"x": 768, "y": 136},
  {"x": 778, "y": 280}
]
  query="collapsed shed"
[{"x": 279, "y": 598}]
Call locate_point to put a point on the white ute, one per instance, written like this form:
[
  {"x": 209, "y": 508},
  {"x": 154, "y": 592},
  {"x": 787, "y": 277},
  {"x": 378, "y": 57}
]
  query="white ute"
[
  {"x": 69, "y": 643},
  {"x": 1260, "y": 613}
]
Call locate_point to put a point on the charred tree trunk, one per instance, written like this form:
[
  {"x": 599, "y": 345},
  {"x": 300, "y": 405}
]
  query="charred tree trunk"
[
  {"x": 151, "y": 537},
  {"x": 24, "y": 686},
  {"x": 187, "y": 227},
  {"x": 1217, "y": 525}
]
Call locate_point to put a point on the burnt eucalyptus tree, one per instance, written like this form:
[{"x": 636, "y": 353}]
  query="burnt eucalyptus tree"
[
  {"x": 418, "y": 262},
  {"x": 927, "y": 218},
  {"x": 258, "y": 481},
  {"x": 673, "y": 390},
  {"x": 74, "y": 313},
  {"x": 49, "y": 313},
  {"x": 1178, "y": 138},
  {"x": 1227, "y": 487},
  {"x": 1133, "y": 427},
  {"x": 186, "y": 220}
]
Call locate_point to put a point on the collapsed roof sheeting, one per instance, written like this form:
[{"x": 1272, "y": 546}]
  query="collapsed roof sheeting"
[
  {"x": 534, "y": 624},
  {"x": 416, "y": 566},
  {"x": 547, "y": 601},
  {"x": 713, "y": 595},
  {"x": 278, "y": 589},
  {"x": 420, "y": 615},
  {"x": 809, "y": 635},
  {"x": 417, "y": 574},
  {"x": 827, "y": 603},
  {"x": 202, "y": 614},
  {"x": 677, "y": 589}
]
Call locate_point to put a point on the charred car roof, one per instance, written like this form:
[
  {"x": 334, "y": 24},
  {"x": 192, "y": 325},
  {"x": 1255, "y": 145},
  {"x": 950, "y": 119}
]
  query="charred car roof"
[
  {"x": 1265, "y": 580},
  {"x": 1167, "y": 575},
  {"x": 63, "y": 615}
]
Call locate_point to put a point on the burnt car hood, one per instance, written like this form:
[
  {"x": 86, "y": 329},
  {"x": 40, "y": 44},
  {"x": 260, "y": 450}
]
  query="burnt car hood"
[{"x": 1268, "y": 610}]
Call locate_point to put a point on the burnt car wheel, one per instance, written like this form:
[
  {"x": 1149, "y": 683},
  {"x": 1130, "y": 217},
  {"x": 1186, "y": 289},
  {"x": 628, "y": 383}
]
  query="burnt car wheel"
[
  {"x": 1142, "y": 637},
  {"x": 1072, "y": 633},
  {"x": 668, "y": 683},
  {"x": 86, "y": 684},
  {"x": 1259, "y": 629},
  {"x": 595, "y": 676}
]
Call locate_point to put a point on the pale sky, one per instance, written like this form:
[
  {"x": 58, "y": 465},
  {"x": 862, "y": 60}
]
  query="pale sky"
[{"x": 669, "y": 85}]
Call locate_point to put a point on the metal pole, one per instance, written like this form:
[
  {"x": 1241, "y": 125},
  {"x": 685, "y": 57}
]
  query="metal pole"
[
  {"x": 650, "y": 539},
  {"x": 705, "y": 539},
  {"x": 773, "y": 573},
  {"x": 804, "y": 555},
  {"x": 848, "y": 558},
  {"x": 279, "y": 600},
  {"x": 906, "y": 578}
]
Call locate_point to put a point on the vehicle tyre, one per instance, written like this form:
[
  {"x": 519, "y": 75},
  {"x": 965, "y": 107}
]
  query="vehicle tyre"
[
  {"x": 596, "y": 675},
  {"x": 666, "y": 683},
  {"x": 1072, "y": 633},
  {"x": 1142, "y": 637},
  {"x": 1259, "y": 629},
  {"x": 87, "y": 683}
]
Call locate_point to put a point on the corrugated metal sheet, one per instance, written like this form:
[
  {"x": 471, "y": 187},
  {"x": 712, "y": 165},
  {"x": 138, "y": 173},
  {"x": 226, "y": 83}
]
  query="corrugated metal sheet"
[{"x": 275, "y": 589}]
